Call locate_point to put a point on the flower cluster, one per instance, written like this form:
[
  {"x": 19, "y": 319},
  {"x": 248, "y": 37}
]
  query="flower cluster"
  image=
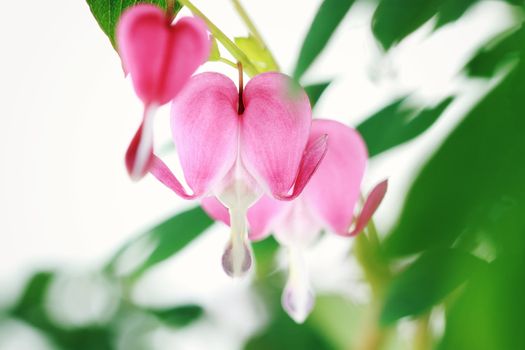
[{"x": 251, "y": 154}]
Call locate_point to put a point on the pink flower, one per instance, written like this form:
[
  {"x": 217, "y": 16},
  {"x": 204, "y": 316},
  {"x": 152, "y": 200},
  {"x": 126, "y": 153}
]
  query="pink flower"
[
  {"x": 238, "y": 145},
  {"x": 160, "y": 57},
  {"x": 327, "y": 203}
]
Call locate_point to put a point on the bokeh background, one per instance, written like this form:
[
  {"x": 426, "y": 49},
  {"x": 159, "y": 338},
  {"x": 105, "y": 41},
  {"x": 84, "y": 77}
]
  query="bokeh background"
[{"x": 67, "y": 204}]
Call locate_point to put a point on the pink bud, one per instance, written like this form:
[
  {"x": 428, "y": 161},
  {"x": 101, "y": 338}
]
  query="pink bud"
[{"x": 160, "y": 57}]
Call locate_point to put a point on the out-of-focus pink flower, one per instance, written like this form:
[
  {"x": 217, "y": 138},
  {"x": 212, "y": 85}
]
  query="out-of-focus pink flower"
[
  {"x": 327, "y": 203},
  {"x": 160, "y": 57},
  {"x": 237, "y": 146}
]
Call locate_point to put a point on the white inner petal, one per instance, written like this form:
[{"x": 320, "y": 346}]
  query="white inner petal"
[
  {"x": 238, "y": 192},
  {"x": 298, "y": 296},
  {"x": 146, "y": 142}
]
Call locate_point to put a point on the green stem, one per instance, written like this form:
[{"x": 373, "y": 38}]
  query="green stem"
[
  {"x": 423, "y": 336},
  {"x": 223, "y": 39},
  {"x": 228, "y": 62},
  {"x": 377, "y": 272},
  {"x": 253, "y": 30}
]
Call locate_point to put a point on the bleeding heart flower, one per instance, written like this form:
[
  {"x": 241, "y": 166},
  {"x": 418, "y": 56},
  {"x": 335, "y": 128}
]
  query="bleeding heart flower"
[
  {"x": 237, "y": 145},
  {"x": 327, "y": 203},
  {"x": 160, "y": 57}
]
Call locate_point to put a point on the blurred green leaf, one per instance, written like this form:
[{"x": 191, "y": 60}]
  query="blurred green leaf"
[
  {"x": 315, "y": 91},
  {"x": 328, "y": 17},
  {"x": 396, "y": 124},
  {"x": 179, "y": 316},
  {"x": 168, "y": 238},
  {"x": 258, "y": 55},
  {"x": 284, "y": 334},
  {"x": 489, "y": 314},
  {"x": 452, "y": 10},
  {"x": 264, "y": 252},
  {"x": 426, "y": 282},
  {"x": 34, "y": 293},
  {"x": 474, "y": 183},
  {"x": 281, "y": 332},
  {"x": 107, "y": 13},
  {"x": 338, "y": 319},
  {"x": 395, "y": 19},
  {"x": 31, "y": 309},
  {"x": 500, "y": 51}
]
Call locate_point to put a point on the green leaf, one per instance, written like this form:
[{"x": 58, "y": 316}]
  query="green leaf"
[
  {"x": 31, "y": 309},
  {"x": 168, "y": 238},
  {"x": 474, "y": 184},
  {"x": 107, "y": 12},
  {"x": 327, "y": 19},
  {"x": 284, "y": 334},
  {"x": 499, "y": 52},
  {"x": 34, "y": 292},
  {"x": 215, "y": 53},
  {"x": 489, "y": 314},
  {"x": 395, "y": 19},
  {"x": 315, "y": 91},
  {"x": 452, "y": 10},
  {"x": 396, "y": 124},
  {"x": 339, "y": 319},
  {"x": 179, "y": 316},
  {"x": 257, "y": 54},
  {"x": 265, "y": 252},
  {"x": 426, "y": 282}
]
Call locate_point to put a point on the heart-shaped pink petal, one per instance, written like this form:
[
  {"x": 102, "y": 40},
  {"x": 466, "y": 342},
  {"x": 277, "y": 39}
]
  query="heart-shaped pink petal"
[
  {"x": 159, "y": 56},
  {"x": 204, "y": 124},
  {"x": 334, "y": 189},
  {"x": 274, "y": 133}
]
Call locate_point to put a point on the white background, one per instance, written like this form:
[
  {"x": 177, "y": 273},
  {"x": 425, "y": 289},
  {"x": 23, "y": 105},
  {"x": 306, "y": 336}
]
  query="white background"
[{"x": 67, "y": 114}]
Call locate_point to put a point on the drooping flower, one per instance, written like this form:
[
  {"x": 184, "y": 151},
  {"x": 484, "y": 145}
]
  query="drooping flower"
[
  {"x": 327, "y": 203},
  {"x": 160, "y": 57},
  {"x": 237, "y": 145}
]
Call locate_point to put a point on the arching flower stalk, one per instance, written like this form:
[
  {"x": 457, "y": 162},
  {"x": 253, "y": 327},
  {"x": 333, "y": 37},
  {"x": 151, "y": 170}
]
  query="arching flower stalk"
[
  {"x": 160, "y": 57},
  {"x": 236, "y": 145},
  {"x": 327, "y": 203}
]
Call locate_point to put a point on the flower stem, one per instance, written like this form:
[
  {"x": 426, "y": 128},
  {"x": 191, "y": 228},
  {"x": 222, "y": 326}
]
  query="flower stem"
[
  {"x": 229, "y": 45},
  {"x": 240, "y": 109},
  {"x": 423, "y": 336},
  {"x": 377, "y": 272},
  {"x": 227, "y": 61},
  {"x": 253, "y": 30}
]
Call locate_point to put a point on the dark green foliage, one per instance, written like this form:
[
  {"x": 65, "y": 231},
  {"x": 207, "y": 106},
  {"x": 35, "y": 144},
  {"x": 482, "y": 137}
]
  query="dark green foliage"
[
  {"x": 474, "y": 183},
  {"x": 31, "y": 310},
  {"x": 328, "y": 17},
  {"x": 285, "y": 334},
  {"x": 426, "y": 282},
  {"x": 500, "y": 51},
  {"x": 168, "y": 238},
  {"x": 489, "y": 314},
  {"x": 396, "y": 124},
  {"x": 178, "y": 316},
  {"x": 315, "y": 91},
  {"x": 396, "y": 19}
]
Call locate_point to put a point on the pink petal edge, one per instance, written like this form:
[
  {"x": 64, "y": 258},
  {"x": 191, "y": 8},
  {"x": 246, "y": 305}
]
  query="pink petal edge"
[
  {"x": 140, "y": 150},
  {"x": 164, "y": 175},
  {"x": 205, "y": 127},
  {"x": 274, "y": 131},
  {"x": 334, "y": 189},
  {"x": 312, "y": 158},
  {"x": 372, "y": 202}
]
